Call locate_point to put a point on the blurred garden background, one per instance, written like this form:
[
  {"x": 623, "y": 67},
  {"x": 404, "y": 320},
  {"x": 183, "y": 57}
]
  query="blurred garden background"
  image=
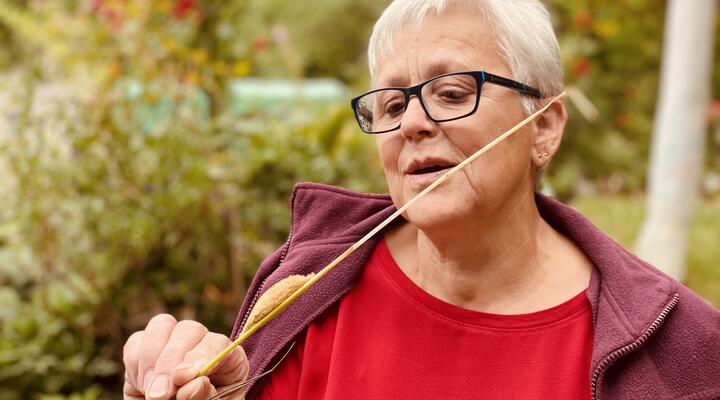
[{"x": 148, "y": 149}]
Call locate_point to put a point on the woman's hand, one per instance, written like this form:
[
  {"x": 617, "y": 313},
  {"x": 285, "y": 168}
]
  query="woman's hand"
[{"x": 162, "y": 361}]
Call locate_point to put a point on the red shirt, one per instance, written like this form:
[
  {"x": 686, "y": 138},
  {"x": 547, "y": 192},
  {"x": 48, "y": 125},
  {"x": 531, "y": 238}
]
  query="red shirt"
[{"x": 388, "y": 339}]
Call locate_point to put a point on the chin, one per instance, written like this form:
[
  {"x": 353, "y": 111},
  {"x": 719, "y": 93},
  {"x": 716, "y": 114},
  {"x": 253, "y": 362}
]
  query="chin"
[{"x": 437, "y": 211}]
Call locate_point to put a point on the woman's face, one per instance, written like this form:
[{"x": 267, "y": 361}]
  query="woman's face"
[{"x": 454, "y": 41}]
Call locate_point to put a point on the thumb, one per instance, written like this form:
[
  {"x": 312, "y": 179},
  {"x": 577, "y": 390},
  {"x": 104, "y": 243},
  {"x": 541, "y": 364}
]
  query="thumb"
[{"x": 198, "y": 389}]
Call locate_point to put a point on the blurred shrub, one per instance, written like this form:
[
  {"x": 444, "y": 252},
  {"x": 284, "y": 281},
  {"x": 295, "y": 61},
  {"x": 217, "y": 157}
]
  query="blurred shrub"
[
  {"x": 105, "y": 226},
  {"x": 612, "y": 52},
  {"x": 128, "y": 190}
]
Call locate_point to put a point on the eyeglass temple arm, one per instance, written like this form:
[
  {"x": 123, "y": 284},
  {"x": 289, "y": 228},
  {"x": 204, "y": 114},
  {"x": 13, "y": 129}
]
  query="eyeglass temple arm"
[{"x": 509, "y": 83}]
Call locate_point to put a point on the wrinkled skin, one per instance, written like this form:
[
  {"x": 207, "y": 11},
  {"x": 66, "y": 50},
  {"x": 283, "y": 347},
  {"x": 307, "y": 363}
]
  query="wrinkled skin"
[{"x": 162, "y": 360}]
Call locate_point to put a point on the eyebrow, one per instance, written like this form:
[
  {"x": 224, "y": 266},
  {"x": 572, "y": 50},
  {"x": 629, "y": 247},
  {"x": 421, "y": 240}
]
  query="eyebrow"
[
  {"x": 439, "y": 69},
  {"x": 428, "y": 72}
]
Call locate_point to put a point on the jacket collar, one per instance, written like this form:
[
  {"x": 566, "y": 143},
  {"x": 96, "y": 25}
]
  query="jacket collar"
[{"x": 626, "y": 294}]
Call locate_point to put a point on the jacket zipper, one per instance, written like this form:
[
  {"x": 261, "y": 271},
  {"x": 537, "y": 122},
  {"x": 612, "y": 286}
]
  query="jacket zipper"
[
  {"x": 286, "y": 247},
  {"x": 304, "y": 326},
  {"x": 627, "y": 349}
]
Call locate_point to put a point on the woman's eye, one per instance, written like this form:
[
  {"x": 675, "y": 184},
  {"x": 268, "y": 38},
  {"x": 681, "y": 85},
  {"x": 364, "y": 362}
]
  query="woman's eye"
[
  {"x": 394, "y": 107},
  {"x": 453, "y": 94}
]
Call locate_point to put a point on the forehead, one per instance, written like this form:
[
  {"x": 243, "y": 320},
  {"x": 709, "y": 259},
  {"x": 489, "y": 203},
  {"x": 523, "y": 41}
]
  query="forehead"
[{"x": 456, "y": 40}]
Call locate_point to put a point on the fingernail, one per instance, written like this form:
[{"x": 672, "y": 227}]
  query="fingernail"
[
  {"x": 147, "y": 379},
  {"x": 160, "y": 386}
]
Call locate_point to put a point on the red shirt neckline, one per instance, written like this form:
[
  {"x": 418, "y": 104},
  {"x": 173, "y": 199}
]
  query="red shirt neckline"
[{"x": 539, "y": 319}]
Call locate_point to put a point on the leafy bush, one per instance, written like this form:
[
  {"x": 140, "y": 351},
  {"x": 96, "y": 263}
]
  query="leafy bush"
[
  {"x": 107, "y": 226},
  {"x": 128, "y": 190}
]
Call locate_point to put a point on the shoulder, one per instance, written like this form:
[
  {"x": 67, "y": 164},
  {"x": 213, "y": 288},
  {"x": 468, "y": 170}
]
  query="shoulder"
[
  {"x": 694, "y": 324},
  {"x": 686, "y": 350},
  {"x": 680, "y": 360},
  {"x": 325, "y": 221},
  {"x": 691, "y": 332}
]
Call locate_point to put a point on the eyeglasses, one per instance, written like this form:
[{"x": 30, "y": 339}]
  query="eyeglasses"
[{"x": 444, "y": 98}]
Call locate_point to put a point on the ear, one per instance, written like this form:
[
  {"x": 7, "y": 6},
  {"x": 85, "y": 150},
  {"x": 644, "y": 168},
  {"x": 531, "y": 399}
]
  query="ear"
[{"x": 549, "y": 127}]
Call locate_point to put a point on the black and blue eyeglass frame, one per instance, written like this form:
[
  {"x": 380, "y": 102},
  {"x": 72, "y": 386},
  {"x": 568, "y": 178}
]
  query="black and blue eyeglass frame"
[{"x": 364, "y": 113}]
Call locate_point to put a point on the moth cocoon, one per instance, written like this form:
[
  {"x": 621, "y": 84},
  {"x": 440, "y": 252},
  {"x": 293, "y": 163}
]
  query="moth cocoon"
[{"x": 274, "y": 296}]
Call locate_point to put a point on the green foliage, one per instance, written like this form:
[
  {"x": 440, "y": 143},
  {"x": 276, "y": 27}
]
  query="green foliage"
[
  {"x": 108, "y": 225},
  {"x": 129, "y": 190},
  {"x": 611, "y": 52}
]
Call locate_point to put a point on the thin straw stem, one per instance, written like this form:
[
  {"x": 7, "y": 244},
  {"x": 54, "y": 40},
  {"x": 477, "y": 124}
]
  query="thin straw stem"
[{"x": 302, "y": 289}]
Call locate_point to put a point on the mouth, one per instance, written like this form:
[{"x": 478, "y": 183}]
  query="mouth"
[
  {"x": 429, "y": 167},
  {"x": 430, "y": 170}
]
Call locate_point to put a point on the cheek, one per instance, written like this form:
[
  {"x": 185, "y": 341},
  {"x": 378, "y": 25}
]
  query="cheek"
[
  {"x": 505, "y": 165},
  {"x": 389, "y": 152},
  {"x": 469, "y": 137},
  {"x": 500, "y": 165}
]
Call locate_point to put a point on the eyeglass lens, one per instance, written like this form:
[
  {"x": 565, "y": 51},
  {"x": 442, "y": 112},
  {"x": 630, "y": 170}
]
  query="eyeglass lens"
[{"x": 445, "y": 98}]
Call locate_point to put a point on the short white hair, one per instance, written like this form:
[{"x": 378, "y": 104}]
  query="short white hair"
[{"x": 523, "y": 29}]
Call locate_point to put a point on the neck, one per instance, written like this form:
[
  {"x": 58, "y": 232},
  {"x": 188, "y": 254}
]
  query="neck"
[{"x": 509, "y": 263}]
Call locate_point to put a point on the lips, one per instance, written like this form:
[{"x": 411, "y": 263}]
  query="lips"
[
  {"x": 422, "y": 172},
  {"x": 430, "y": 165}
]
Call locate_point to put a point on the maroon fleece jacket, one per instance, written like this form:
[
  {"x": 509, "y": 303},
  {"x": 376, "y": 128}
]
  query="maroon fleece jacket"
[{"x": 654, "y": 338}]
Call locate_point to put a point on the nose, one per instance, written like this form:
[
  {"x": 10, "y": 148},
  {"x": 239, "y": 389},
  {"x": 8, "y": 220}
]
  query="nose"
[{"x": 415, "y": 123}]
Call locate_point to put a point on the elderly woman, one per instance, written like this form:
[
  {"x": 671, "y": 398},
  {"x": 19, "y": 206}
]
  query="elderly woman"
[{"x": 484, "y": 290}]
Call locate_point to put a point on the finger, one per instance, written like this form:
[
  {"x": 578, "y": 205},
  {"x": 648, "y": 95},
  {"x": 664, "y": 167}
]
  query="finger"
[
  {"x": 130, "y": 392},
  {"x": 188, "y": 370},
  {"x": 197, "y": 389},
  {"x": 156, "y": 335},
  {"x": 131, "y": 353},
  {"x": 199, "y": 357},
  {"x": 231, "y": 369},
  {"x": 184, "y": 337}
]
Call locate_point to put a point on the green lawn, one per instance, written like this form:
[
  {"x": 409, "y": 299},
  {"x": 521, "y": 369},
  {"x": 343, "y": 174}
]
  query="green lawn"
[{"x": 620, "y": 217}]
